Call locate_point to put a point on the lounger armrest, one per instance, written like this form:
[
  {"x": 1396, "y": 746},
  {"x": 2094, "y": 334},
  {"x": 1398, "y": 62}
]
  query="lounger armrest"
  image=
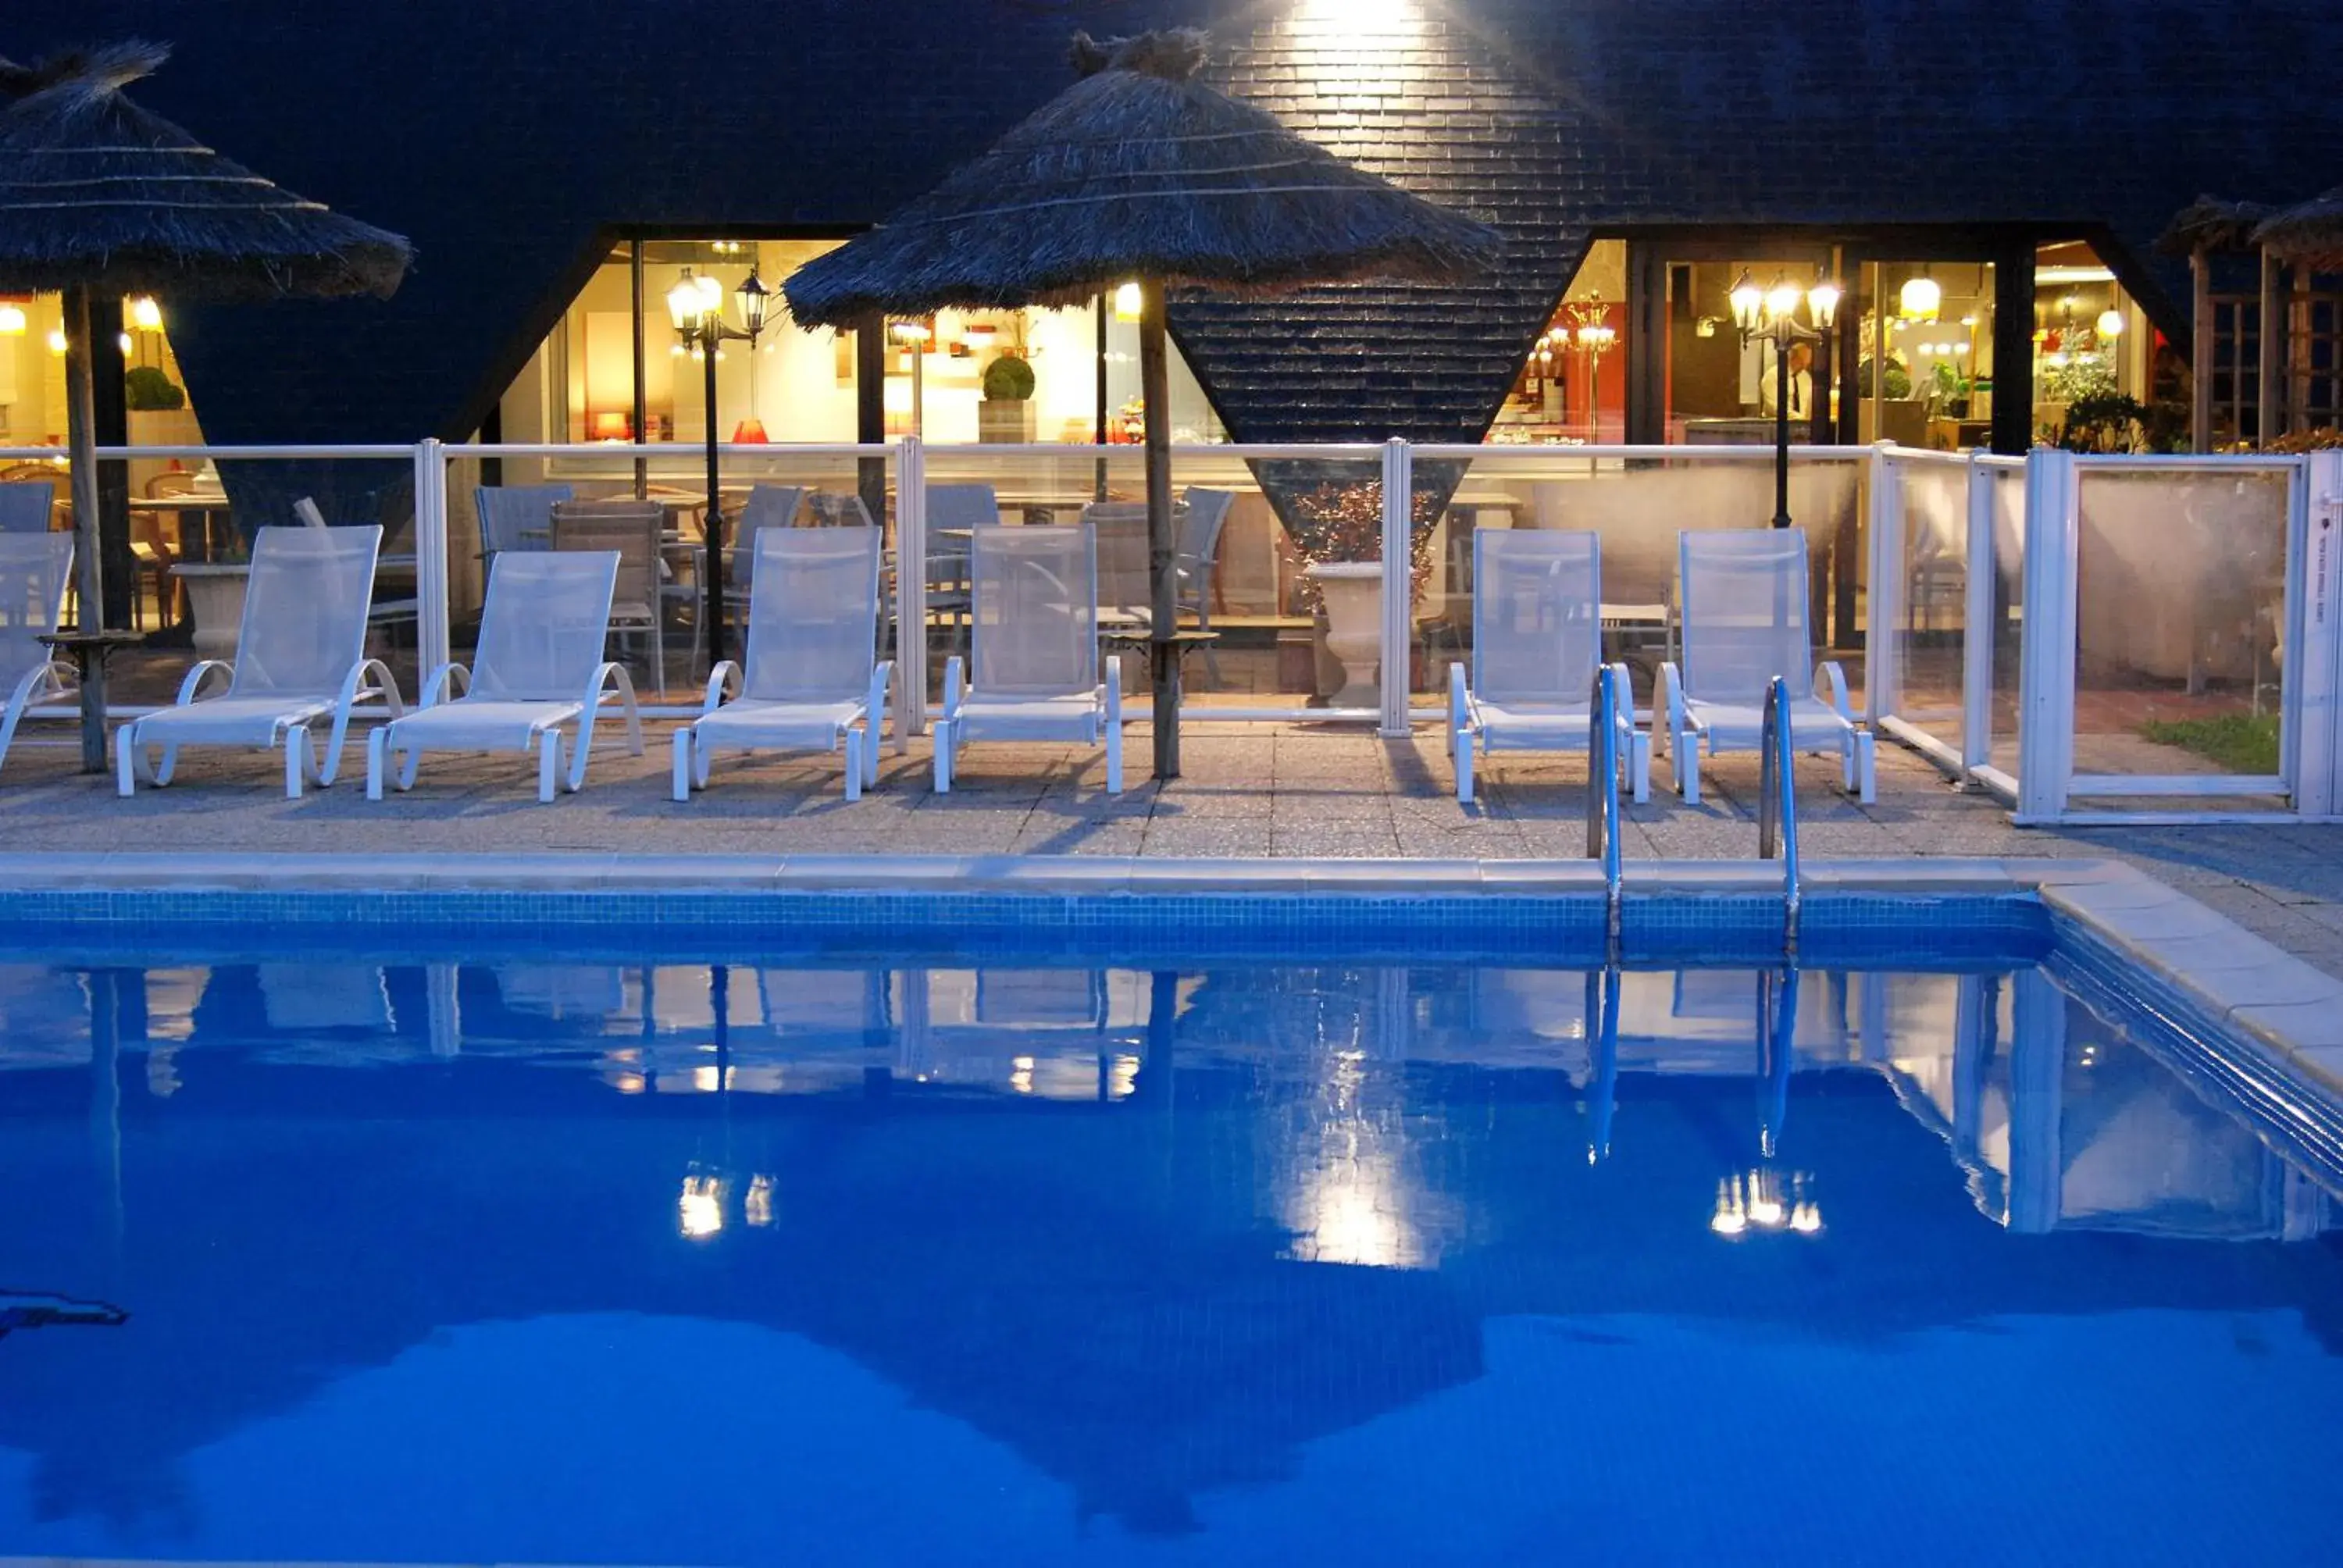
[
  {"x": 1460, "y": 700},
  {"x": 723, "y": 681},
  {"x": 611, "y": 679},
  {"x": 195, "y": 680},
  {"x": 1113, "y": 690},
  {"x": 1670, "y": 699},
  {"x": 874, "y": 705},
  {"x": 449, "y": 680},
  {"x": 954, "y": 690},
  {"x": 1623, "y": 695},
  {"x": 1829, "y": 674},
  {"x": 355, "y": 686}
]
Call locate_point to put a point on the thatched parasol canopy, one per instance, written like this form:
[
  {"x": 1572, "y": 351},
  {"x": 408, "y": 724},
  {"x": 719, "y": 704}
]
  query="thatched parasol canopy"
[
  {"x": 2209, "y": 222},
  {"x": 2309, "y": 234},
  {"x": 1139, "y": 170},
  {"x": 97, "y": 191},
  {"x": 100, "y": 198}
]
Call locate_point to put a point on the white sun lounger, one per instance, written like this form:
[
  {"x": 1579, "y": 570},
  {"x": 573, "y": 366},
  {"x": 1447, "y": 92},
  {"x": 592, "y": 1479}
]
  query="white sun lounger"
[
  {"x": 1744, "y": 622},
  {"x": 538, "y": 666},
  {"x": 35, "y": 570},
  {"x": 300, "y": 657},
  {"x": 810, "y": 679},
  {"x": 1537, "y": 642},
  {"x": 1034, "y": 642}
]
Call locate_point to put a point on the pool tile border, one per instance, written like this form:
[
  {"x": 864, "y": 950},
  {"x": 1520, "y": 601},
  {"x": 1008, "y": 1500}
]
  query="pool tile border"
[{"x": 2223, "y": 976}]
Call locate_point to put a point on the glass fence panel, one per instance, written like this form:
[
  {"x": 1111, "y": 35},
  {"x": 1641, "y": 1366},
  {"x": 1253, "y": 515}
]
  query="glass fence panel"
[
  {"x": 2180, "y": 595},
  {"x": 1931, "y": 626},
  {"x": 1637, "y": 507},
  {"x": 661, "y": 628},
  {"x": 2006, "y": 625},
  {"x": 176, "y": 537}
]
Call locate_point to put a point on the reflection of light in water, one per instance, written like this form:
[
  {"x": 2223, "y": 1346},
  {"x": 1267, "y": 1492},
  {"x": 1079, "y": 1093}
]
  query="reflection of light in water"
[
  {"x": 1764, "y": 1201},
  {"x": 1020, "y": 1074},
  {"x": 756, "y": 1207},
  {"x": 1122, "y": 1076},
  {"x": 1351, "y": 1211},
  {"x": 700, "y": 1212},
  {"x": 626, "y": 1083}
]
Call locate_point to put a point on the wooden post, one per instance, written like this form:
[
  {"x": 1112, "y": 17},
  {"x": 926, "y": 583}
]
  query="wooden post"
[
  {"x": 81, "y": 433},
  {"x": 1163, "y": 653},
  {"x": 2269, "y": 397},
  {"x": 2200, "y": 352},
  {"x": 2013, "y": 349}
]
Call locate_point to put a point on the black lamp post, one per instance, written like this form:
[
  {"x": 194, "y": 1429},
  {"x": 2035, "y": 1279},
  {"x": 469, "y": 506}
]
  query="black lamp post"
[
  {"x": 1771, "y": 316},
  {"x": 696, "y": 305}
]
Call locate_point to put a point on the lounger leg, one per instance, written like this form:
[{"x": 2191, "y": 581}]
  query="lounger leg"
[
  {"x": 854, "y": 764},
  {"x": 1866, "y": 766},
  {"x": 870, "y": 753},
  {"x": 548, "y": 766},
  {"x": 585, "y": 746},
  {"x": 944, "y": 743},
  {"x": 1460, "y": 748},
  {"x": 168, "y": 765},
  {"x": 1639, "y": 757},
  {"x": 297, "y": 758},
  {"x": 683, "y": 763},
  {"x": 378, "y": 746},
  {"x": 1687, "y": 749},
  {"x": 125, "y": 760},
  {"x": 1114, "y": 758}
]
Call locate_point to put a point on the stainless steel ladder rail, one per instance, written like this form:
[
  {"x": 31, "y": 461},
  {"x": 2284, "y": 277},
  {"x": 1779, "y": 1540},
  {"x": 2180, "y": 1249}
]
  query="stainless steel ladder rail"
[
  {"x": 1603, "y": 827},
  {"x": 1778, "y": 805}
]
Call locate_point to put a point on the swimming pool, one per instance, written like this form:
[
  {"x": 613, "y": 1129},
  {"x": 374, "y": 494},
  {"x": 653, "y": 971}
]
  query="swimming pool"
[{"x": 564, "y": 1242}]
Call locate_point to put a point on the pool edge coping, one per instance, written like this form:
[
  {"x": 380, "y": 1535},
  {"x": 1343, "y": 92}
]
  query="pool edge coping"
[{"x": 2232, "y": 978}]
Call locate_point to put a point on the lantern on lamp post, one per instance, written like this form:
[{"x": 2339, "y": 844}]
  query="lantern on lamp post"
[
  {"x": 1771, "y": 316},
  {"x": 696, "y": 306}
]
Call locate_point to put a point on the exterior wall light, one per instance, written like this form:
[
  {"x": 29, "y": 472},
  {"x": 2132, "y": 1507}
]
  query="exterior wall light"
[{"x": 1127, "y": 302}]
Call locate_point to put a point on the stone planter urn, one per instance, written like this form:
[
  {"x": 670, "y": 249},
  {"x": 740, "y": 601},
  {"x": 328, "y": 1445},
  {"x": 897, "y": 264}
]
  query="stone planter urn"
[
  {"x": 1005, "y": 420},
  {"x": 216, "y": 603},
  {"x": 1352, "y": 593}
]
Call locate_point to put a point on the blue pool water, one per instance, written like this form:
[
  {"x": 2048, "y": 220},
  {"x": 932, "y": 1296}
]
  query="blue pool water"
[{"x": 1004, "y": 1259}]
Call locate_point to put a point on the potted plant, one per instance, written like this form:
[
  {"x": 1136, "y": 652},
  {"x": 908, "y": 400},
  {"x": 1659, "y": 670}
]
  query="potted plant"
[
  {"x": 1006, "y": 414},
  {"x": 216, "y": 598}
]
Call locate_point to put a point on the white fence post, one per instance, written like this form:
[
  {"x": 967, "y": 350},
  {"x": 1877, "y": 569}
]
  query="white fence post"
[
  {"x": 2045, "y": 666},
  {"x": 1399, "y": 584},
  {"x": 1977, "y": 623},
  {"x": 911, "y": 591},
  {"x": 432, "y": 638},
  {"x": 2315, "y": 637},
  {"x": 1883, "y": 675}
]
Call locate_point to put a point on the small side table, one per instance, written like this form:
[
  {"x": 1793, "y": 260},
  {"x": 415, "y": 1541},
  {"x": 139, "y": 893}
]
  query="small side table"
[
  {"x": 89, "y": 651},
  {"x": 1140, "y": 640}
]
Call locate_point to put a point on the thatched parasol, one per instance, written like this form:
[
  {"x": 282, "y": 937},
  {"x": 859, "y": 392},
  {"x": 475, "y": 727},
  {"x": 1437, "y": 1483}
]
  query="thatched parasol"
[
  {"x": 2209, "y": 222},
  {"x": 99, "y": 198},
  {"x": 1140, "y": 170},
  {"x": 2309, "y": 234}
]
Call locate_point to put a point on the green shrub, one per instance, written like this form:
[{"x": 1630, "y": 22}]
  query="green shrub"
[
  {"x": 145, "y": 388},
  {"x": 1008, "y": 379}
]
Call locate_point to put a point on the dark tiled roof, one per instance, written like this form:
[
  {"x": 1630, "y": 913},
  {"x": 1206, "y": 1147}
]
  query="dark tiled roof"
[{"x": 505, "y": 136}]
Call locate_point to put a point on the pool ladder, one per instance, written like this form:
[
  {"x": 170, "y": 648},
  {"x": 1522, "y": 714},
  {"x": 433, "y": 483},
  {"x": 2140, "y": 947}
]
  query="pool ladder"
[
  {"x": 1602, "y": 832},
  {"x": 1778, "y": 805},
  {"x": 1777, "y": 801}
]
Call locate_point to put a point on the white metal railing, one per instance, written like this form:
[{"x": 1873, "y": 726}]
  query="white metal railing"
[
  {"x": 1778, "y": 805},
  {"x": 2018, "y": 561},
  {"x": 1603, "y": 826}
]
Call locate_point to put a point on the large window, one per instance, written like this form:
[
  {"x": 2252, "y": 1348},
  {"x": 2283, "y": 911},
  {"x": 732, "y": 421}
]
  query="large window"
[{"x": 799, "y": 384}]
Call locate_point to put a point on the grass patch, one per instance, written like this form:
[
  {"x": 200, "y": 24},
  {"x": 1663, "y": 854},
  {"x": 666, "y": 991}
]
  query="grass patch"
[{"x": 2234, "y": 742}]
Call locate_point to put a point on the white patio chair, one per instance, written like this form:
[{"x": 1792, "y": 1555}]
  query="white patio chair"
[
  {"x": 538, "y": 666},
  {"x": 36, "y": 571},
  {"x": 517, "y": 517},
  {"x": 1537, "y": 642},
  {"x": 300, "y": 657},
  {"x": 1744, "y": 592},
  {"x": 25, "y": 505},
  {"x": 1202, "y": 513},
  {"x": 1034, "y": 642},
  {"x": 640, "y": 595},
  {"x": 952, "y": 509},
  {"x": 812, "y": 678}
]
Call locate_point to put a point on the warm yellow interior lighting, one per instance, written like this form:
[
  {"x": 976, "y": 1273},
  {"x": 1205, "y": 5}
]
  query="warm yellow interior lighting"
[
  {"x": 1127, "y": 302},
  {"x": 1919, "y": 300},
  {"x": 12, "y": 321},
  {"x": 144, "y": 313},
  {"x": 2111, "y": 323},
  {"x": 56, "y": 341}
]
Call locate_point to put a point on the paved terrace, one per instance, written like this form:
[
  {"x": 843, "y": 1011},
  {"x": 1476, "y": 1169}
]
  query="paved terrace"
[{"x": 1298, "y": 790}]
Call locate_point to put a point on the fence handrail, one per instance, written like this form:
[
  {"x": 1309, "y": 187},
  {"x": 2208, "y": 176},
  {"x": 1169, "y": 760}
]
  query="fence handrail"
[
  {"x": 370, "y": 452},
  {"x": 1461, "y": 452}
]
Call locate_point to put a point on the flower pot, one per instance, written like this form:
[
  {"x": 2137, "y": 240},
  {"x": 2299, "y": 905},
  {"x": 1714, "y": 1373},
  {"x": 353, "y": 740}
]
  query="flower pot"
[
  {"x": 215, "y": 604},
  {"x": 1005, "y": 421},
  {"x": 1352, "y": 593}
]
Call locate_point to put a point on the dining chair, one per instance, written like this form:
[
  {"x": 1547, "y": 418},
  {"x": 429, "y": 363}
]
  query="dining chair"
[
  {"x": 640, "y": 595},
  {"x": 954, "y": 511}
]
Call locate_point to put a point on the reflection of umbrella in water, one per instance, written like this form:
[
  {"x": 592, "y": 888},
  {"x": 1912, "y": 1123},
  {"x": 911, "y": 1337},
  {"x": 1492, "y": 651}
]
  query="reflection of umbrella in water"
[
  {"x": 1139, "y": 169},
  {"x": 100, "y": 198},
  {"x": 20, "y": 1310}
]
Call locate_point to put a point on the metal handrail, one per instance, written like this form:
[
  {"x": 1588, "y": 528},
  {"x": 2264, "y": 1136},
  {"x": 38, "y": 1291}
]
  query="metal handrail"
[
  {"x": 1777, "y": 804},
  {"x": 1602, "y": 832}
]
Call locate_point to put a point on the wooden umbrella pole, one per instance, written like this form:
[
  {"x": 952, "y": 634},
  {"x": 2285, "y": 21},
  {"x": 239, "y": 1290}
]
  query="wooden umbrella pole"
[
  {"x": 1163, "y": 652},
  {"x": 80, "y": 434}
]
